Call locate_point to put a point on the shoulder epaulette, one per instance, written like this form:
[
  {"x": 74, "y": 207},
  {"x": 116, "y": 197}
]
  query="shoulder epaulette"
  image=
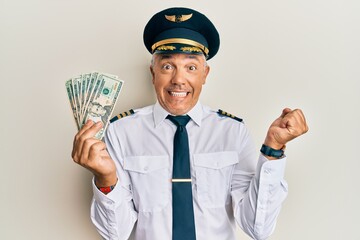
[
  {"x": 121, "y": 115},
  {"x": 223, "y": 113}
]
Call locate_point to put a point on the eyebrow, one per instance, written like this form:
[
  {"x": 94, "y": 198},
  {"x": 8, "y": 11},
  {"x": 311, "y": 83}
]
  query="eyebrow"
[
  {"x": 169, "y": 56},
  {"x": 165, "y": 56}
]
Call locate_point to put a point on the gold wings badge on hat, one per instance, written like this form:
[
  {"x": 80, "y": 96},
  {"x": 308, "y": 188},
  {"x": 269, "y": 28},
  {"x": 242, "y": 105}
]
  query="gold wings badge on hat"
[{"x": 178, "y": 18}]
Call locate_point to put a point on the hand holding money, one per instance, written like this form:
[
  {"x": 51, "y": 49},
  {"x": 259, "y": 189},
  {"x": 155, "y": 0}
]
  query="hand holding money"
[
  {"x": 92, "y": 98},
  {"x": 91, "y": 153}
]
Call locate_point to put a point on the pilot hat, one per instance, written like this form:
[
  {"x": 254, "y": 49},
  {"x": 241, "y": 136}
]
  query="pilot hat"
[{"x": 181, "y": 30}]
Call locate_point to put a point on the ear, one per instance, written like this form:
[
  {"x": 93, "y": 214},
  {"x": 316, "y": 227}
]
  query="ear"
[
  {"x": 207, "y": 70},
  {"x": 152, "y": 73}
]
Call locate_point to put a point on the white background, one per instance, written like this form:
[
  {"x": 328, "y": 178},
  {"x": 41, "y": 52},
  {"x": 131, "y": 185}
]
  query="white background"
[{"x": 274, "y": 54}]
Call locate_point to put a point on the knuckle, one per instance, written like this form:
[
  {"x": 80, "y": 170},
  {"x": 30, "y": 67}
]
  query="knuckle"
[
  {"x": 296, "y": 112},
  {"x": 82, "y": 138},
  {"x": 83, "y": 162},
  {"x": 88, "y": 142},
  {"x": 93, "y": 149},
  {"x": 77, "y": 137},
  {"x": 75, "y": 159}
]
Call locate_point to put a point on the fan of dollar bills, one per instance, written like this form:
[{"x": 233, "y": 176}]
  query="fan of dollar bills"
[{"x": 93, "y": 96}]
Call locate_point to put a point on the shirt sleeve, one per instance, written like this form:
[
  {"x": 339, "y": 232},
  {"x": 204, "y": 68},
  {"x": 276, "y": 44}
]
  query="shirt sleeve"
[
  {"x": 257, "y": 192},
  {"x": 113, "y": 214}
]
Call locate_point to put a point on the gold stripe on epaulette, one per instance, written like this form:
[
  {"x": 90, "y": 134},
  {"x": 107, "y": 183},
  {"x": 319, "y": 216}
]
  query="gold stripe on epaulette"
[
  {"x": 221, "y": 112},
  {"x": 121, "y": 115}
]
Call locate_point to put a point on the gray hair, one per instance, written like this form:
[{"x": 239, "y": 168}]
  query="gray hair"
[{"x": 153, "y": 61}]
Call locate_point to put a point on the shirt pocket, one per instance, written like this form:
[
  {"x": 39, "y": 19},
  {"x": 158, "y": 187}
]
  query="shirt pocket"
[
  {"x": 213, "y": 177},
  {"x": 150, "y": 181}
]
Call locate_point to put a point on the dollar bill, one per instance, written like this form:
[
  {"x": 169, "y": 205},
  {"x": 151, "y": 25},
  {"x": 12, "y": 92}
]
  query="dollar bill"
[
  {"x": 93, "y": 96},
  {"x": 85, "y": 78},
  {"x": 75, "y": 87},
  {"x": 70, "y": 93},
  {"x": 102, "y": 105}
]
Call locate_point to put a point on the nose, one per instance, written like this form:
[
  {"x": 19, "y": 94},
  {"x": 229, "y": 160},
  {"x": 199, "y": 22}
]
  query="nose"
[{"x": 178, "y": 78}]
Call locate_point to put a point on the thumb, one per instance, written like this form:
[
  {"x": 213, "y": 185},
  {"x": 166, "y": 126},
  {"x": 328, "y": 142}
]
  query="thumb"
[{"x": 285, "y": 111}]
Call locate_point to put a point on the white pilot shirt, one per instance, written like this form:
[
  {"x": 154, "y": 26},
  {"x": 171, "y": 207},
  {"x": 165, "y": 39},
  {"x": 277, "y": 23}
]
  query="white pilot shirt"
[{"x": 229, "y": 184}]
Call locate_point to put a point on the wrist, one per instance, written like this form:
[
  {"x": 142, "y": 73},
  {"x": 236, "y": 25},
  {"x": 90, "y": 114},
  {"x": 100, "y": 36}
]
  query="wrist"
[
  {"x": 105, "y": 181},
  {"x": 272, "y": 153},
  {"x": 105, "y": 189},
  {"x": 274, "y": 144}
]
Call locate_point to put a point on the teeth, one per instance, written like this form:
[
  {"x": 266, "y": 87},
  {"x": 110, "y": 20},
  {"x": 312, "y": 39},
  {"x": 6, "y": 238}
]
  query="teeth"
[{"x": 178, "y": 94}]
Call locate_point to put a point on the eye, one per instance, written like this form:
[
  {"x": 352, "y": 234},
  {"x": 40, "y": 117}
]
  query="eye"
[
  {"x": 192, "y": 68},
  {"x": 167, "y": 66}
]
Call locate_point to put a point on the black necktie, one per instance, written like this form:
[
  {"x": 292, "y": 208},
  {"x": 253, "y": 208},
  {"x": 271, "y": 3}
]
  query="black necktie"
[{"x": 183, "y": 211}]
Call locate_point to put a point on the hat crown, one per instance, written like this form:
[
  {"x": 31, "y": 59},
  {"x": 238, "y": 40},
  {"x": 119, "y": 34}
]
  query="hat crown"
[{"x": 181, "y": 29}]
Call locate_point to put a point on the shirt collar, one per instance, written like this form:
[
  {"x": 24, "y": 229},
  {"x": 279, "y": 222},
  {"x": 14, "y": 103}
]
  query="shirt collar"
[
  {"x": 196, "y": 113},
  {"x": 160, "y": 113}
]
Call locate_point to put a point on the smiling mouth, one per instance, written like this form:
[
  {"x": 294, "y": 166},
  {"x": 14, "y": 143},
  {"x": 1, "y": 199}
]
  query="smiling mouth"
[{"x": 178, "y": 94}]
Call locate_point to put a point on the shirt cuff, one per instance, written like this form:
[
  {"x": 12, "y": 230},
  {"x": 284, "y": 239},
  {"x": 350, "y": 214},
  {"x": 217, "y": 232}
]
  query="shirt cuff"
[
  {"x": 112, "y": 198},
  {"x": 270, "y": 170}
]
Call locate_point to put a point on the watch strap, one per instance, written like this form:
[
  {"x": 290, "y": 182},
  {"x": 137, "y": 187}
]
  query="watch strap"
[
  {"x": 106, "y": 190},
  {"x": 268, "y": 151}
]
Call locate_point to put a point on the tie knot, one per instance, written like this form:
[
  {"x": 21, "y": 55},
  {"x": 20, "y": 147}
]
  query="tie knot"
[{"x": 179, "y": 120}]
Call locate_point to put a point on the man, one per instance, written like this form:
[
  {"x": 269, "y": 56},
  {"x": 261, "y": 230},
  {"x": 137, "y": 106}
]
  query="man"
[{"x": 164, "y": 179}]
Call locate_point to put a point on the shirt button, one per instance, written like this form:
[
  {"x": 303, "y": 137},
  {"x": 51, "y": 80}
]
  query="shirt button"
[{"x": 146, "y": 168}]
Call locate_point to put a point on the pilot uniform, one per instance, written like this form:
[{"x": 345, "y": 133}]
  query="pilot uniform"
[{"x": 231, "y": 182}]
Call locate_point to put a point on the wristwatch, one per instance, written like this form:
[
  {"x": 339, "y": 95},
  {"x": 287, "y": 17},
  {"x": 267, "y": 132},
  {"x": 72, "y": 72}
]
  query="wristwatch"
[{"x": 268, "y": 151}]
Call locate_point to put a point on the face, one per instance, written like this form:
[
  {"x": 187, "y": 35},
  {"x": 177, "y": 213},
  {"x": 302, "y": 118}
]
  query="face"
[
  {"x": 97, "y": 110},
  {"x": 178, "y": 80}
]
